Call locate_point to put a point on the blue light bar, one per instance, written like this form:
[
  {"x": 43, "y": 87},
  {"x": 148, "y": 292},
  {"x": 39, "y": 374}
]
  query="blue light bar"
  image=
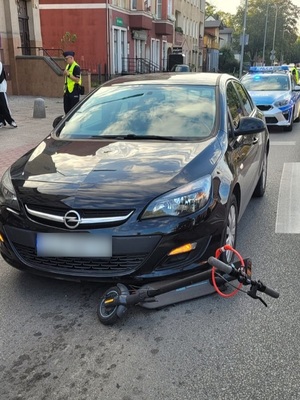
[{"x": 275, "y": 68}]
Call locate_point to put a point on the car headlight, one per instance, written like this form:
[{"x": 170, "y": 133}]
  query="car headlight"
[
  {"x": 7, "y": 191},
  {"x": 182, "y": 201},
  {"x": 281, "y": 103}
]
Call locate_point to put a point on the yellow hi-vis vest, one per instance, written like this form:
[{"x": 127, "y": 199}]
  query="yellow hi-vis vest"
[
  {"x": 297, "y": 76},
  {"x": 69, "y": 83}
]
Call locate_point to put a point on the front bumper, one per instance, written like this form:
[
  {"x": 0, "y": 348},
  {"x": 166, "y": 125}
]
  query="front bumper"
[
  {"x": 142, "y": 257},
  {"x": 276, "y": 116}
]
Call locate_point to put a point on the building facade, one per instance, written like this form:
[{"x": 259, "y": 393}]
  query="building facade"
[
  {"x": 20, "y": 29},
  {"x": 212, "y": 40},
  {"x": 189, "y": 30},
  {"x": 109, "y": 37}
]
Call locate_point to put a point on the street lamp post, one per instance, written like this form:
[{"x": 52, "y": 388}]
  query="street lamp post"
[
  {"x": 265, "y": 35},
  {"x": 243, "y": 39},
  {"x": 274, "y": 34}
]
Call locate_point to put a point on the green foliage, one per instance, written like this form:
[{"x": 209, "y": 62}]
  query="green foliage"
[
  {"x": 211, "y": 11},
  {"x": 227, "y": 62},
  {"x": 67, "y": 39},
  {"x": 260, "y": 26},
  {"x": 262, "y": 16},
  {"x": 178, "y": 29}
]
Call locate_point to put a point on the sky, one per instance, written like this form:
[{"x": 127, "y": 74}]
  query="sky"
[{"x": 231, "y": 6}]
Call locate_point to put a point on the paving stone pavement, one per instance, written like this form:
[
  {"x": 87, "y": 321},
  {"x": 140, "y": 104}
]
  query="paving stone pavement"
[{"x": 14, "y": 142}]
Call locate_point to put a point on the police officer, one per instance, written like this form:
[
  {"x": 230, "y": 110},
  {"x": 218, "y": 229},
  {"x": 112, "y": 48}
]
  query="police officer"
[
  {"x": 72, "y": 75},
  {"x": 295, "y": 74}
]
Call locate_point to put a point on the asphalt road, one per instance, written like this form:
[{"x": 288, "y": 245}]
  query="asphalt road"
[{"x": 53, "y": 347}]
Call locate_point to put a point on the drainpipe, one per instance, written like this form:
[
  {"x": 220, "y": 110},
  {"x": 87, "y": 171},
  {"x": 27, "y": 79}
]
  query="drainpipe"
[{"x": 108, "y": 39}]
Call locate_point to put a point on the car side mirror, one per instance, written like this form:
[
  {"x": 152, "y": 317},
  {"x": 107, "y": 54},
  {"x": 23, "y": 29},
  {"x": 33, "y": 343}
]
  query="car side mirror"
[
  {"x": 57, "y": 121},
  {"x": 250, "y": 125}
]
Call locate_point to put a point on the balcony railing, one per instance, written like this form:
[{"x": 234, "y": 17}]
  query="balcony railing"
[{"x": 137, "y": 65}]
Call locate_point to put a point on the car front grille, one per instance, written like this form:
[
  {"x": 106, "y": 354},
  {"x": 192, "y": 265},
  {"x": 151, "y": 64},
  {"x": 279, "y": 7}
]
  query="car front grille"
[
  {"x": 89, "y": 218},
  {"x": 115, "y": 264},
  {"x": 264, "y": 107}
]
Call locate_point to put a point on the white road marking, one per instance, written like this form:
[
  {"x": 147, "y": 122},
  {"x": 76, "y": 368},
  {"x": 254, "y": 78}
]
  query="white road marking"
[
  {"x": 288, "y": 207},
  {"x": 283, "y": 143}
]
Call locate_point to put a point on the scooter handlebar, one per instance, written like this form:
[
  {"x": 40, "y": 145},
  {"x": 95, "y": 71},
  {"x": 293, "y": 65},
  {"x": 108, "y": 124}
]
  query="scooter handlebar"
[
  {"x": 226, "y": 268},
  {"x": 269, "y": 291},
  {"x": 231, "y": 270}
]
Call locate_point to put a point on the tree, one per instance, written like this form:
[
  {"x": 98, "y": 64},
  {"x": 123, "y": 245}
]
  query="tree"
[
  {"x": 227, "y": 61},
  {"x": 211, "y": 11},
  {"x": 261, "y": 18}
]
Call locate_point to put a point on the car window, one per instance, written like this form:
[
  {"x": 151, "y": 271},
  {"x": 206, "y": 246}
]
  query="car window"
[
  {"x": 186, "y": 111},
  {"x": 247, "y": 103},
  {"x": 182, "y": 68},
  {"x": 235, "y": 107}
]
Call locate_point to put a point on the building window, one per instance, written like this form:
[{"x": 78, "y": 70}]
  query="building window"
[
  {"x": 120, "y": 50},
  {"x": 170, "y": 8},
  {"x": 133, "y": 4},
  {"x": 158, "y": 8}
]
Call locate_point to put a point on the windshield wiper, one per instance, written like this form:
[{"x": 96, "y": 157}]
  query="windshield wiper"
[{"x": 132, "y": 136}]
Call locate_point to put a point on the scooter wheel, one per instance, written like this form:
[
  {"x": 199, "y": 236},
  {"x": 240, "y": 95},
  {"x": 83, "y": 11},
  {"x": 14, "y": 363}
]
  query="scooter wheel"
[{"x": 108, "y": 315}]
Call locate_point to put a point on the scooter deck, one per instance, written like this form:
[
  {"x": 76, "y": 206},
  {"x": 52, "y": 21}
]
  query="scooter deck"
[{"x": 185, "y": 293}]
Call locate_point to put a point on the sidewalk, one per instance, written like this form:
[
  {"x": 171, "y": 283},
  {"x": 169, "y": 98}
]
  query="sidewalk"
[{"x": 14, "y": 142}]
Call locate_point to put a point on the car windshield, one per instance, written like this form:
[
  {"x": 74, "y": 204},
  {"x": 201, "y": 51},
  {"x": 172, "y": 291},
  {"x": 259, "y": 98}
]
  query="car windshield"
[
  {"x": 144, "y": 112},
  {"x": 256, "y": 82}
]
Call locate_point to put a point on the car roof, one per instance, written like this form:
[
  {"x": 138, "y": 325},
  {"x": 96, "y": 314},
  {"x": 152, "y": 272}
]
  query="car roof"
[
  {"x": 184, "y": 65},
  {"x": 189, "y": 78}
]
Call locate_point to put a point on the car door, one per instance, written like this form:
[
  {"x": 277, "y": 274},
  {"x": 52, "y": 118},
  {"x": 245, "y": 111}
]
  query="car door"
[{"x": 246, "y": 150}]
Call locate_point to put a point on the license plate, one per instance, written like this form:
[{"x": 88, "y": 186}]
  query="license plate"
[{"x": 73, "y": 245}]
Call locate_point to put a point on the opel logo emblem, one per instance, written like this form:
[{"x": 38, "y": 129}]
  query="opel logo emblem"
[{"x": 72, "y": 219}]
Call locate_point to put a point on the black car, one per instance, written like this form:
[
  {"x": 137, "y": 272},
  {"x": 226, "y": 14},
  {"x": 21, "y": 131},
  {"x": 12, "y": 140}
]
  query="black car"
[
  {"x": 141, "y": 181},
  {"x": 180, "y": 68}
]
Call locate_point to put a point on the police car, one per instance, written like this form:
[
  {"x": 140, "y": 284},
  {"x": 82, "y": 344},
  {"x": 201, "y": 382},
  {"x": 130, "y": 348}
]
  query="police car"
[{"x": 275, "y": 93}]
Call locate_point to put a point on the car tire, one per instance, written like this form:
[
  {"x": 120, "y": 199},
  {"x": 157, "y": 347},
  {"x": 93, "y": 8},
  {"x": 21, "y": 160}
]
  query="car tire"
[
  {"x": 230, "y": 230},
  {"x": 260, "y": 188}
]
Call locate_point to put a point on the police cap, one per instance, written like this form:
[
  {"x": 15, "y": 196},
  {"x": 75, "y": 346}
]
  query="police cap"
[{"x": 68, "y": 54}]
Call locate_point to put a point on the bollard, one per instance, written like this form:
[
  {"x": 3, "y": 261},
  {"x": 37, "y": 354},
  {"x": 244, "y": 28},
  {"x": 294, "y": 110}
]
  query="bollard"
[{"x": 39, "y": 110}]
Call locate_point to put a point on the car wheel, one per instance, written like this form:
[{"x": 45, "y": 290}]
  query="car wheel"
[
  {"x": 260, "y": 189},
  {"x": 230, "y": 230}
]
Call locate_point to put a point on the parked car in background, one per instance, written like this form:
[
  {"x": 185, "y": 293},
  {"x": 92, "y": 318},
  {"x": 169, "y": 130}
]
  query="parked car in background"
[
  {"x": 275, "y": 92},
  {"x": 143, "y": 180},
  {"x": 180, "y": 68}
]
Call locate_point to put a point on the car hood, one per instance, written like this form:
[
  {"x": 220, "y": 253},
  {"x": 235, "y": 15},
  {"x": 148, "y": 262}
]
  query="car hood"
[
  {"x": 267, "y": 97},
  {"x": 123, "y": 170}
]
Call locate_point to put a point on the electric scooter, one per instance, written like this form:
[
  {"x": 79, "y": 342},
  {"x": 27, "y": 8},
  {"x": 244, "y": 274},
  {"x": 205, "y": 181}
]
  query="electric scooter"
[{"x": 115, "y": 301}]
